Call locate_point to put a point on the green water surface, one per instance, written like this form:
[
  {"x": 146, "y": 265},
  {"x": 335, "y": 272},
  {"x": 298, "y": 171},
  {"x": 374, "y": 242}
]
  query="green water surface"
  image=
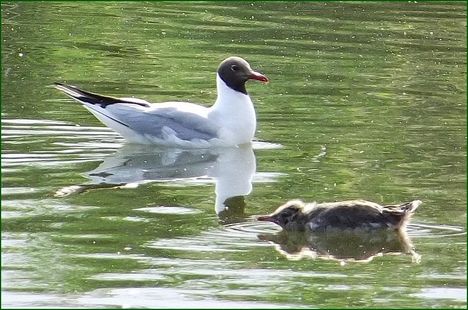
[{"x": 366, "y": 100}]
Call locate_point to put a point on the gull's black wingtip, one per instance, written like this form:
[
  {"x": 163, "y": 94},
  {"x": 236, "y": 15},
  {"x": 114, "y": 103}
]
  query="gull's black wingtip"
[
  {"x": 58, "y": 84},
  {"x": 62, "y": 84}
]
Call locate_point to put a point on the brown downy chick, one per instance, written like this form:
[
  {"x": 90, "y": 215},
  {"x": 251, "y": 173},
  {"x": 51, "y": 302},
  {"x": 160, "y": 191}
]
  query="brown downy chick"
[{"x": 296, "y": 215}]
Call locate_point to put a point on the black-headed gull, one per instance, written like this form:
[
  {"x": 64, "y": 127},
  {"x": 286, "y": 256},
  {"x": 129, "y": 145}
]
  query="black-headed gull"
[{"x": 230, "y": 121}]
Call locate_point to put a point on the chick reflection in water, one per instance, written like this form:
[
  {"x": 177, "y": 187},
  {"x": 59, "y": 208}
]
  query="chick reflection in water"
[
  {"x": 346, "y": 231},
  {"x": 231, "y": 169}
]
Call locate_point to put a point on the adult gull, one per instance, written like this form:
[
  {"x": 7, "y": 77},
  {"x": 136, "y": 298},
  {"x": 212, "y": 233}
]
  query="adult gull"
[{"x": 230, "y": 121}]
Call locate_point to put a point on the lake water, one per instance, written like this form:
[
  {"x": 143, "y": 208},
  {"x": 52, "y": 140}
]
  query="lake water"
[{"x": 366, "y": 100}]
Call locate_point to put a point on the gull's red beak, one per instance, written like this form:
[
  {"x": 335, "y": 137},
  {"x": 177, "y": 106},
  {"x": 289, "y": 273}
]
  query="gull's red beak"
[{"x": 258, "y": 76}]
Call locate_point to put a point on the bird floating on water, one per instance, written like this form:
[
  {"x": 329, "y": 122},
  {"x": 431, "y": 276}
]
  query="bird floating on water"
[
  {"x": 231, "y": 121},
  {"x": 295, "y": 215}
]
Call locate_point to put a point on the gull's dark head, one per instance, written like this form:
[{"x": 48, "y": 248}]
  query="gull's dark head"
[
  {"x": 235, "y": 71},
  {"x": 289, "y": 216}
]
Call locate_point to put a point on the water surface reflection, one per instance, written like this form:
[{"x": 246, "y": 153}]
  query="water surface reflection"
[
  {"x": 231, "y": 169},
  {"x": 342, "y": 246}
]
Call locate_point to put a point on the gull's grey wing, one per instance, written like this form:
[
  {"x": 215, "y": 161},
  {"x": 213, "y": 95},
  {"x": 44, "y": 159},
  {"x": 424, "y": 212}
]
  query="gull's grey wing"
[
  {"x": 185, "y": 120},
  {"x": 185, "y": 125}
]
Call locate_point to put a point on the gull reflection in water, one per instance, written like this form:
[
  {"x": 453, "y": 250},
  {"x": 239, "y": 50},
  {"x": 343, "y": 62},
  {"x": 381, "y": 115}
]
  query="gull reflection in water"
[
  {"x": 343, "y": 246},
  {"x": 231, "y": 169}
]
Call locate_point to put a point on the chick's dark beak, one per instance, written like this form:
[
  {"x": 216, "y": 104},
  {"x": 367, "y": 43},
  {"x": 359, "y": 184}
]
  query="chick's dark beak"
[{"x": 266, "y": 218}]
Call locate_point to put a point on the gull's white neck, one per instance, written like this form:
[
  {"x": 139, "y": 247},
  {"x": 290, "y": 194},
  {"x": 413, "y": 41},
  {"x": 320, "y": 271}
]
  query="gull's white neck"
[{"x": 235, "y": 112}]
